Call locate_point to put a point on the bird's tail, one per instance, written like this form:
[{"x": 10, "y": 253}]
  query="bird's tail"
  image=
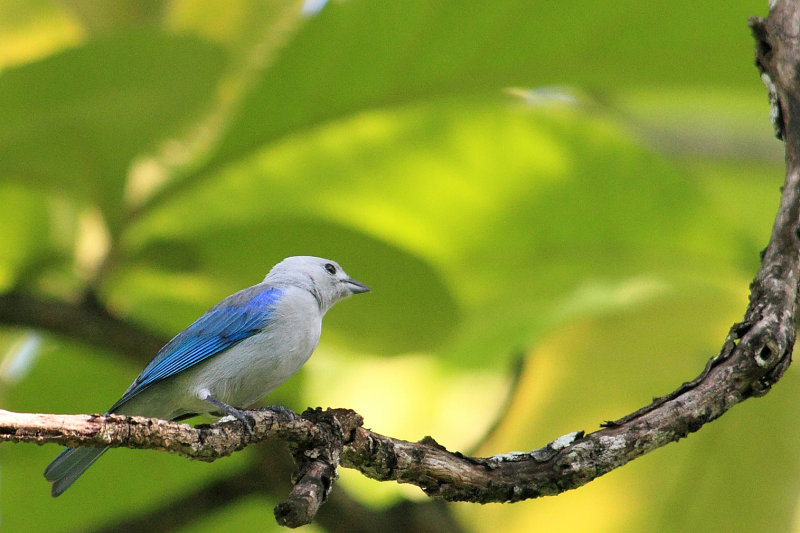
[{"x": 68, "y": 466}]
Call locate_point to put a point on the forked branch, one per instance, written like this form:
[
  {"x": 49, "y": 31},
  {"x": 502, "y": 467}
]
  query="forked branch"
[{"x": 752, "y": 359}]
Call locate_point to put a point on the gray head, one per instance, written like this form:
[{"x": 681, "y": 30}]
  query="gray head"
[{"x": 323, "y": 278}]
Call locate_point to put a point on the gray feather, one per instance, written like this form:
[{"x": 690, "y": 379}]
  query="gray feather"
[{"x": 69, "y": 465}]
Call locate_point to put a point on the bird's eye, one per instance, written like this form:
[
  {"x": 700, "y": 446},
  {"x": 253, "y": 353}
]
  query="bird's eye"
[{"x": 330, "y": 268}]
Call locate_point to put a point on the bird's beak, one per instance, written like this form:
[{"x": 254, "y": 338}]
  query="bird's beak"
[{"x": 356, "y": 287}]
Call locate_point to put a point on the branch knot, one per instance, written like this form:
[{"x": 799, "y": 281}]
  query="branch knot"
[{"x": 317, "y": 461}]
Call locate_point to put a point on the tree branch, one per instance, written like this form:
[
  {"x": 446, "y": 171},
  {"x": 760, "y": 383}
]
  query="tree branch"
[
  {"x": 86, "y": 321},
  {"x": 752, "y": 359}
]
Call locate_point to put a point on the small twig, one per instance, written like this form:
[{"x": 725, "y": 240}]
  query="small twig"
[
  {"x": 81, "y": 321},
  {"x": 517, "y": 369}
]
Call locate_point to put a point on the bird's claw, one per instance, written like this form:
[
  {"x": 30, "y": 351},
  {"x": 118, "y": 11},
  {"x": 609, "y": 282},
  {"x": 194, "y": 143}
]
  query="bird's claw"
[
  {"x": 242, "y": 416},
  {"x": 246, "y": 419},
  {"x": 281, "y": 410}
]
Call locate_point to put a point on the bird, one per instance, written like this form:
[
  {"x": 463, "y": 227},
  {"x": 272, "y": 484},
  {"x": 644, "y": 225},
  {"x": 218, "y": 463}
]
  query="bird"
[{"x": 232, "y": 356}]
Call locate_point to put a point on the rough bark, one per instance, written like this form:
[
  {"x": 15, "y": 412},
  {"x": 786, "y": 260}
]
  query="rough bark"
[{"x": 752, "y": 359}]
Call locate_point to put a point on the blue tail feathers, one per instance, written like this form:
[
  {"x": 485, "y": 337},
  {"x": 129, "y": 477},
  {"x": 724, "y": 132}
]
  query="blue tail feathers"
[{"x": 68, "y": 466}]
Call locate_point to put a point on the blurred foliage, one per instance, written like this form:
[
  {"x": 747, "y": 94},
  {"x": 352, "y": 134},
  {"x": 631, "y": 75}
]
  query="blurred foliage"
[{"x": 586, "y": 185}]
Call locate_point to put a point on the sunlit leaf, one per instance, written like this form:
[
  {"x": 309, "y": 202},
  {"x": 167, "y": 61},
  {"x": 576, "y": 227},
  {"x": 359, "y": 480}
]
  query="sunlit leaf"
[
  {"x": 518, "y": 211},
  {"x": 360, "y": 54}
]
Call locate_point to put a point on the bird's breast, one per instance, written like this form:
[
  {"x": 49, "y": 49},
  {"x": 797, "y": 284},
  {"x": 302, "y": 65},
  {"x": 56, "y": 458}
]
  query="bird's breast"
[{"x": 251, "y": 369}]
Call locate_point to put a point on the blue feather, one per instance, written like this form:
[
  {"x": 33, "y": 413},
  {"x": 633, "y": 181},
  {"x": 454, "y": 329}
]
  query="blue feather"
[{"x": 232, "y": 320}]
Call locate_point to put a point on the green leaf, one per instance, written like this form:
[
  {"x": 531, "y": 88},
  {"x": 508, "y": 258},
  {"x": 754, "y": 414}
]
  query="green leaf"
[
  {"x": 73, "y": 122},
  {"x": 484, "y": 225},
  {"x": 25, "y": 238},
  {"x": 358, "y": 55}
]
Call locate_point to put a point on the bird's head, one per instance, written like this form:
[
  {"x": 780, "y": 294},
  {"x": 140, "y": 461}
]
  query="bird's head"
[{"x": 323, "y": 278}]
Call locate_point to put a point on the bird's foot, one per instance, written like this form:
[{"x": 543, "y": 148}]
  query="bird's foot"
[
  {"x": 281, "y": 410},
  {"x": 246, "y": 419}
]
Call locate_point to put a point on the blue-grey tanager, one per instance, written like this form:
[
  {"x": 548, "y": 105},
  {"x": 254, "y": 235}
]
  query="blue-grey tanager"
[{"x": 232, "y": 356}]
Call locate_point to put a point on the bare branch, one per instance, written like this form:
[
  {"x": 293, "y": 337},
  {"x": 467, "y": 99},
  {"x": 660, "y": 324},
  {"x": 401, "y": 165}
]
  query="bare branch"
[
  {"x": 752, "y": 359},
  {"x": 86, "y": 322},
  {"x": 517, "y": 369},
  {"x": 202, "y": 442}
]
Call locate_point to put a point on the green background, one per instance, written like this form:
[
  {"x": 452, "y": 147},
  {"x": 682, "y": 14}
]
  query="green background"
[{"x": 585, "y": 185}]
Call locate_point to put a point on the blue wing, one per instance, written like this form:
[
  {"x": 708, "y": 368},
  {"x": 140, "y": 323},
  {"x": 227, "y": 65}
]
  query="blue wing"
[{"x": 234, "y": 319}]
